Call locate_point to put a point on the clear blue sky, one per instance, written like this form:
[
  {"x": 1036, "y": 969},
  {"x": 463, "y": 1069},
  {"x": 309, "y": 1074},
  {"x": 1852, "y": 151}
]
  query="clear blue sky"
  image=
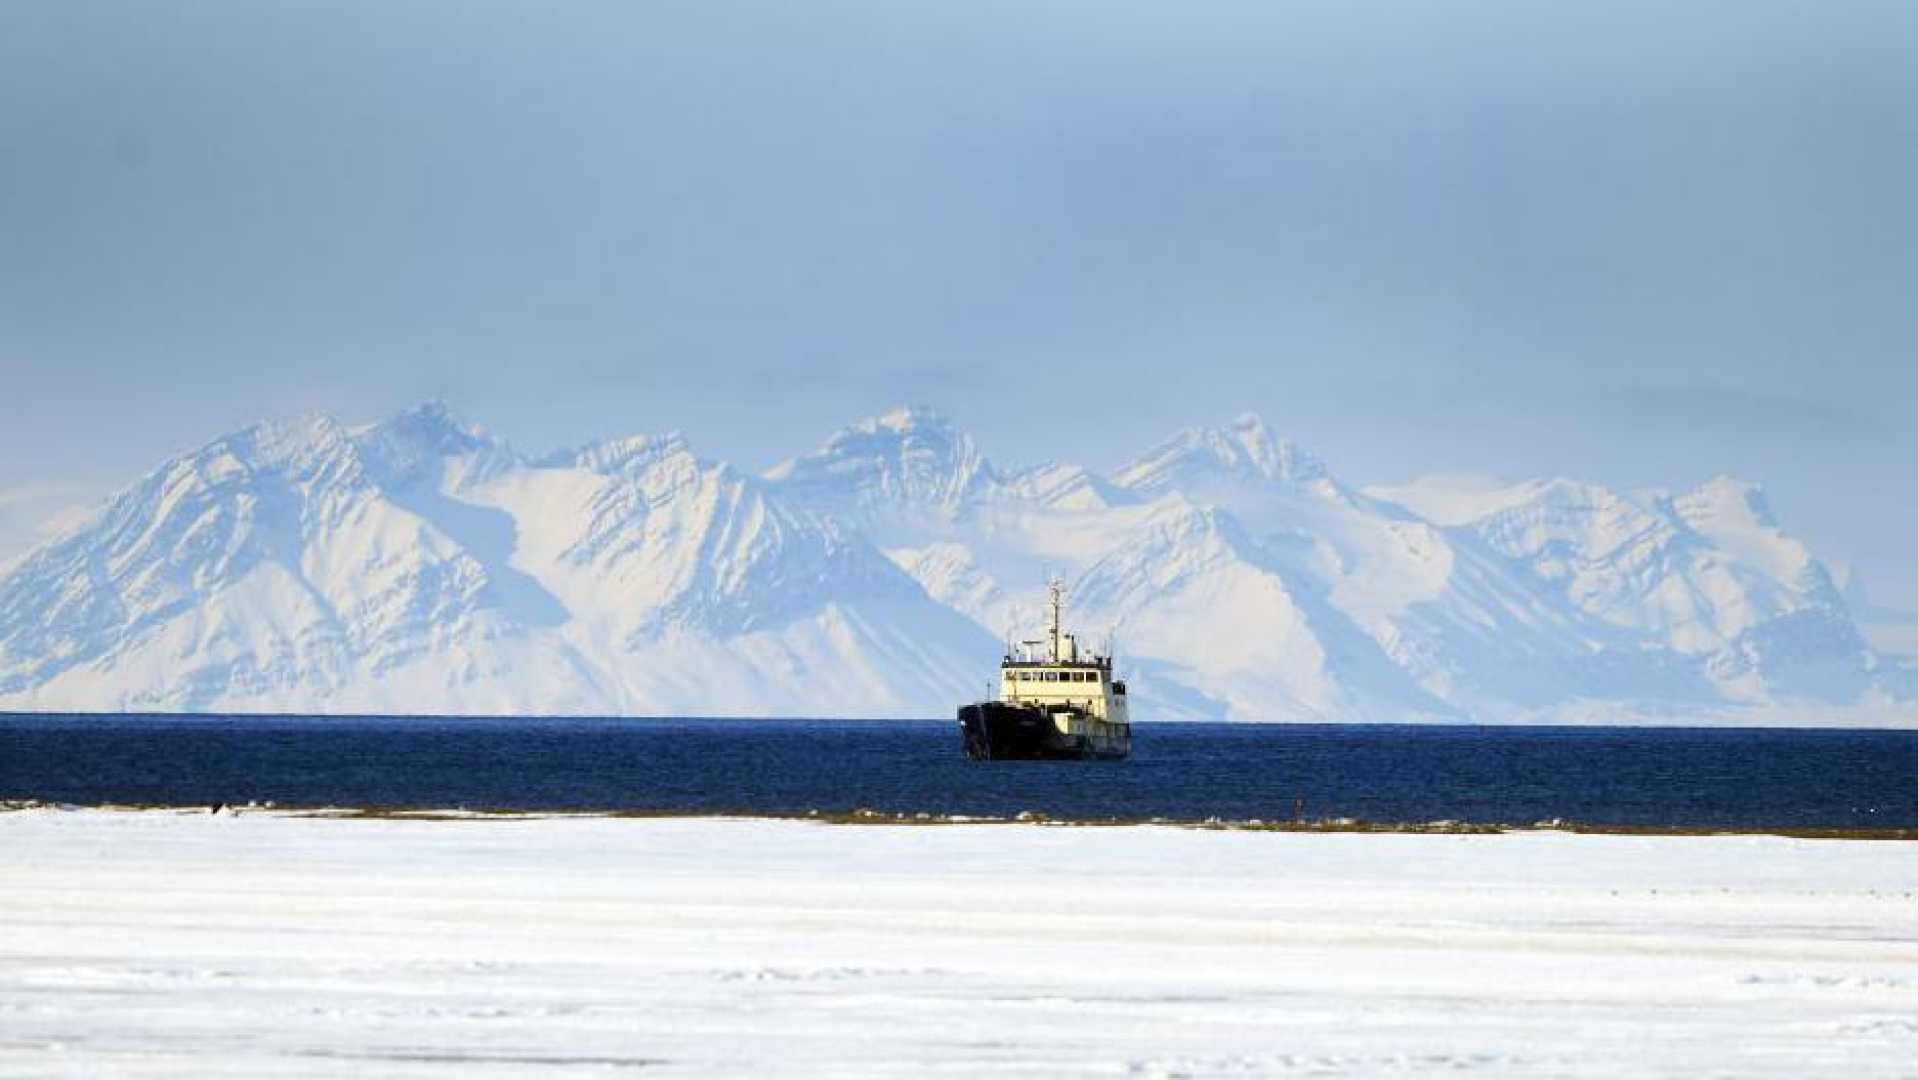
[{"x": 1634, "y": 242}]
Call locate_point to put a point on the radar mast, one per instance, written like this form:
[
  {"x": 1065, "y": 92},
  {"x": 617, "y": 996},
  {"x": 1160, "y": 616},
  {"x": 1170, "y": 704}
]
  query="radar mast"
[{"x": 1057, "y": 589}]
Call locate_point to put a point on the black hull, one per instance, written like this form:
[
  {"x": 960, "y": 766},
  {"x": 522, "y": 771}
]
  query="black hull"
[{"x": 994, "y": 731}]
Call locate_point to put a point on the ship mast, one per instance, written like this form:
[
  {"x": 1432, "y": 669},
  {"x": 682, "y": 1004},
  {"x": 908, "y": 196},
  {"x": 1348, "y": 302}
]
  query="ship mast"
[{"x": 1052, "y": 631}]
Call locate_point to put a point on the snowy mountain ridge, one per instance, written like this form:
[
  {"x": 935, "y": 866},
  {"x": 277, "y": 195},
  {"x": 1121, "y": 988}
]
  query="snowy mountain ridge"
[{"x": 421, "y": 565}]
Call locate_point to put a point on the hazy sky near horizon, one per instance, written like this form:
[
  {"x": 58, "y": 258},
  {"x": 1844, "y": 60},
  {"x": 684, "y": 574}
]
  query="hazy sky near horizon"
[{"x": 1640, "y": 243}]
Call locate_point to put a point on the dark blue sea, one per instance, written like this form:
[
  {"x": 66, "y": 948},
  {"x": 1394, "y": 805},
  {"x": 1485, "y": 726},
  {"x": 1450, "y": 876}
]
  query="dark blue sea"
[{"x": 1671, "y": 777}]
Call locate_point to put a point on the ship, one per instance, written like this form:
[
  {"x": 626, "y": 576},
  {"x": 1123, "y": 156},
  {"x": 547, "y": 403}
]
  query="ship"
[{"x": 1056, "y": 703}]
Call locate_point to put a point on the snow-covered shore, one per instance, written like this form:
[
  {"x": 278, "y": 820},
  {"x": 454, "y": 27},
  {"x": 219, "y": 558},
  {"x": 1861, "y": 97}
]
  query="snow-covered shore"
[{"x": 183, "y": 944}]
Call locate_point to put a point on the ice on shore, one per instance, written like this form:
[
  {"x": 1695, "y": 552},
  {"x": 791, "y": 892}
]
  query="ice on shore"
[{"x": 175, "y": 944}]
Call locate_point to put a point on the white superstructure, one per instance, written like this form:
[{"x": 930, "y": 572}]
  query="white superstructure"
[{"x": 1077, "y": 688}]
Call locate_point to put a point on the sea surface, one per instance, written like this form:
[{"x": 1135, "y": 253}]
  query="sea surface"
[{"x": 1678, "y": 777}]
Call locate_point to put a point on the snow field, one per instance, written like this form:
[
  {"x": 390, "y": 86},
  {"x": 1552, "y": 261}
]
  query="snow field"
[{"x": 181, "y": 944}]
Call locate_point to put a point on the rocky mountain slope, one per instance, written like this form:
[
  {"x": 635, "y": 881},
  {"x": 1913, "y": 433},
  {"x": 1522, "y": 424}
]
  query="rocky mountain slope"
[{"x": 419, "y": 565}]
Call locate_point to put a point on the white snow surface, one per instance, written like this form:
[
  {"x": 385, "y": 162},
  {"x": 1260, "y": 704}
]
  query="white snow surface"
[
  {"x": 421, "y": 565},
  {"x": 174, "y": 944}
]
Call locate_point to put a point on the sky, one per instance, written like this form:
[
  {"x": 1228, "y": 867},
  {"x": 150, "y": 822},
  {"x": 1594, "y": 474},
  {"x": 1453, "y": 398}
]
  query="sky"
[{"x": 1636, "y": 243}]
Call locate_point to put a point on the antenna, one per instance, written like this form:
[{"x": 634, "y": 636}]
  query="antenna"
[{"x": 1056, "y": 589}]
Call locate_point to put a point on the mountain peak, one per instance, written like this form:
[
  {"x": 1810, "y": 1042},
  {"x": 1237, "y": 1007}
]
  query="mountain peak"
[
  {"x": 310, "y": 443},
  {"x": 1726, "y": 498},
  {"x": 911, "y": 454},
  {"x": 432, "y": 408},
  {"x": 416, "y": 442},
  {"x": 432, "y": 423},
  {"x": 1252, "y": 423},
  {"x": 433, "y": 412},
  {"x": 622, "y": 453},
  {"x": 905, "y": 419},
  {"x": 1245, "y": 450},
  {"x": 1273, "y": 457}
]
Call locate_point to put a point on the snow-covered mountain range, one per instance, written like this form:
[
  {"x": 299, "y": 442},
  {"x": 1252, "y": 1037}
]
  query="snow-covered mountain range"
[{"x": 420, "y": 565}]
